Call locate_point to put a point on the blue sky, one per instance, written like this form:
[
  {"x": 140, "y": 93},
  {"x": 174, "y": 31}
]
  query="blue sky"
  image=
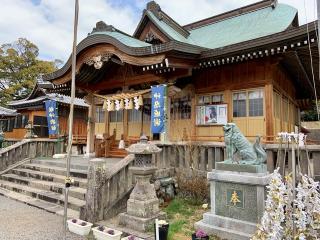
[{"x": 48, "y": 23}]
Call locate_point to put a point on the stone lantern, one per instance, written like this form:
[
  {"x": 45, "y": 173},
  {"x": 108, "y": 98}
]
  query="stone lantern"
[{"x": 143, "y": 204}]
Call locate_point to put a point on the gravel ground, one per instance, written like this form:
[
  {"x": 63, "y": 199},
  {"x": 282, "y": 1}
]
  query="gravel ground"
[{"x": 19, "y": 221}]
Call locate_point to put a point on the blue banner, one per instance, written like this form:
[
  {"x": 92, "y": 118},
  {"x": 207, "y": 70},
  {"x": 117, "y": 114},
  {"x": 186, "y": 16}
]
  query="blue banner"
[
  {"x": 157, "y": 109},
  {"x": 52, "y": 117}
]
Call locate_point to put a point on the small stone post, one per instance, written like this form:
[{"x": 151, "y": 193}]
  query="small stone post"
[{"x": 143, "y": 204}]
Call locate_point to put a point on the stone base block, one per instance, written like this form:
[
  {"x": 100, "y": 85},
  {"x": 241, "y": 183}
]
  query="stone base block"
[
  {"x": 226, "y": 228},
  {"x": 262, "y": 168},
  {"x": 143, "y": 209},
  {"x": 138, "y": 223}
]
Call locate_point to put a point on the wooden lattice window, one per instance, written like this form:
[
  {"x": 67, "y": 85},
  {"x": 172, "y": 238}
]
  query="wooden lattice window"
[{"x": 181, "y": 108}]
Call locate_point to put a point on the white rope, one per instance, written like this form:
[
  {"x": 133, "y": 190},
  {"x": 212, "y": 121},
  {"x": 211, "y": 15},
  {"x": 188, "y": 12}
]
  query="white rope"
[{"x": 311, "y": 61}]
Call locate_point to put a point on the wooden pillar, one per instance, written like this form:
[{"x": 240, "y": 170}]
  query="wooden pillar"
[
  {"x": 228, "y": 100},
  {"x": 125, "y": 124},
  {"x": 167, "y": 137},
  {"x": 269, "y": 116},
  {"x": 193, "y": 117},
  {"x": 106, "y": 123},
  {"x": 91, "y": 125}
]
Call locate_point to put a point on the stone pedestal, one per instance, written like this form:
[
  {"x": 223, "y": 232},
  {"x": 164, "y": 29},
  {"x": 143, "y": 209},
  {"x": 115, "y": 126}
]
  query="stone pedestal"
[
  {"x": 238, "y": 196},
  {"x": 143, "y": 204}
]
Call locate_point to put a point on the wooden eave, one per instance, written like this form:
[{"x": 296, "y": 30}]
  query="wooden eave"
[
  {"x": 292, "y": 47},
  {"x": 142, "y": 52}
]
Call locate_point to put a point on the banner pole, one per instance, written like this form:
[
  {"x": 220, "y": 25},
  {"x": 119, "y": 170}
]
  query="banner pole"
[{"x": 70, "y": 136}]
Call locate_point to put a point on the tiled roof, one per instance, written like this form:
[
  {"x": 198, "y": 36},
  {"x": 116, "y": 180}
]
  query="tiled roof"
[
  {"x": 7, "y": 112},
  {"x": 53, "y": 96},
  {"x": 67, "y": 99},
  {"x": 125, "y": 39}
]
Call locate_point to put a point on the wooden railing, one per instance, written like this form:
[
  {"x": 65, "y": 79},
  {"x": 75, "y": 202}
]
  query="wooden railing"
[
  {"x": 8, "y": 142},
  {"x": 79, "y": 139},
  {"x": 202, "y": 156},
  {"x": 188, "y": 157},
  {"x": 28, "y": 149},
  {"x": 103, "y": 146},
  {"x": 108, "y": 189}
]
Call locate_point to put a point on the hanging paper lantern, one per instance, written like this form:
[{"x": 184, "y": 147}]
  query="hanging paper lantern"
[
  {"x": 130, "y": 104},
  {"x": 136, "y": 103},
  {"x": 117, "y": 103},
  {"x": 140, "y": 100},
  {"x": 126, "y": 103},
  {"x": 121, "y": 104},
  {"x": 105, "y": 105}
]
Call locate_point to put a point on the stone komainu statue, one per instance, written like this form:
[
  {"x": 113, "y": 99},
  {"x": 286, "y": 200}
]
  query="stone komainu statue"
[{"x": 237, "y": 143}]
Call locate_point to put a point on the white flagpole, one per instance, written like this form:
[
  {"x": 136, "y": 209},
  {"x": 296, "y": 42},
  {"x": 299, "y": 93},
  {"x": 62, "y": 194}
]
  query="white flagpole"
[{"x": 69, "y": 149}]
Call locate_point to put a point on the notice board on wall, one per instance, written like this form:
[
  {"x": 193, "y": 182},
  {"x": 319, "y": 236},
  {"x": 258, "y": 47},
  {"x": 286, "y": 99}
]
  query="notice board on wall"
[{"x": 216, "y": 114}]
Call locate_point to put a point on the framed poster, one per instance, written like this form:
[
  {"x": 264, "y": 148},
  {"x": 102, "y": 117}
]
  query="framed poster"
[{"x": 212, "y": 114}]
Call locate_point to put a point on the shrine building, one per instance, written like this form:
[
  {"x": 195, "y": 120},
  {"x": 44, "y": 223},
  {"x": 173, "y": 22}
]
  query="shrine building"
[
  {"x": 32, "y": 109},
  {"x": 254, "y": 66}
]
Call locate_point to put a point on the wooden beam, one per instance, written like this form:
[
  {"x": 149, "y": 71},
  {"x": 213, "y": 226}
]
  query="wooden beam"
[
  {"x": 269, "y": 116},
  {"x": 102, "y": 49},
  {"x": 112, "y": 83}
]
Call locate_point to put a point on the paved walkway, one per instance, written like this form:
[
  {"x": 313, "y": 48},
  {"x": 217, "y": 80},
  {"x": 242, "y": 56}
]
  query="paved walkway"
[{"x": 19, "y": 221}]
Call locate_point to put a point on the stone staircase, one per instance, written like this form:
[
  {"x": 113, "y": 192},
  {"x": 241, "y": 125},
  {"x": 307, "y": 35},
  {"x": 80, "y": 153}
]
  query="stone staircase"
[{"x": 41, "y": 184}]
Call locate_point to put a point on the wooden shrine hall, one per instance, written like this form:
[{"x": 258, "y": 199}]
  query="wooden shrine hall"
[
  {"x": 251, "y": 66},
  {"x": 32, "y": 109}
]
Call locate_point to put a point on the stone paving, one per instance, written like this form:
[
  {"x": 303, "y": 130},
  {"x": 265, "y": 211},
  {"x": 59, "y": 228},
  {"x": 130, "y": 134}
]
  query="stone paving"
[{"x": 20, "y": 221}]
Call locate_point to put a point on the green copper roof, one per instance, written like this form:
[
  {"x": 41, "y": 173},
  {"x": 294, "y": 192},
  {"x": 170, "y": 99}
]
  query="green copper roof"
[
  {"x": 125, "y": 39},
  {"x": 166, "y": 28},
  {"x": 236, "y": 29},
  {"x": 245, "y": 27}
]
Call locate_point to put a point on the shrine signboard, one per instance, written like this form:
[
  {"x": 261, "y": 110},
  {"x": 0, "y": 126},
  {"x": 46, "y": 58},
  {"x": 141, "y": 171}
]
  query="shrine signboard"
[
  {"x": 52, "y": 117},
  {"x": 158, "y": 108}
]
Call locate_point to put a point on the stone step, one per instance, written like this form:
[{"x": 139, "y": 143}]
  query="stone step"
[
  {"x": 49, "y": 207},
  {"x": 75, "y": 192},
  {"x": 62, "y": 163},
  {"x": 47, "y": 196},
  {"x": 56, "y": 170},
  {"x": 78, "y": 182}
]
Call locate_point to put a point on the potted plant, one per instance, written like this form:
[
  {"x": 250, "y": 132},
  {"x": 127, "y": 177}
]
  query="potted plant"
[
  {"x": 104, "y": 233},
  {"x": 131, "y": 237},
  {"x": 200, "y": 235},
  {"x": 79, "y": 227}
]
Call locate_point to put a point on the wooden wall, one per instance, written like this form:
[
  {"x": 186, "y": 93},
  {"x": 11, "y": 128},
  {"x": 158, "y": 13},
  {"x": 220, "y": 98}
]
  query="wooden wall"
[
  {"x": 227, "y": 79},
  {"x": 264, "y": 74}
]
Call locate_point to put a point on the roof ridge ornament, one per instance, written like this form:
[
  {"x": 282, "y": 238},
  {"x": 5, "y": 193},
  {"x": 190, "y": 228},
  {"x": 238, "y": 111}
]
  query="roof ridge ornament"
[
  {"x": 101, "y": 26},
  {"x": 155, "y": 9}
]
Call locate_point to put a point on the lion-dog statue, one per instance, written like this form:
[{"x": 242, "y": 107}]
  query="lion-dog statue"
[{"x": 237, "y": 143}]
